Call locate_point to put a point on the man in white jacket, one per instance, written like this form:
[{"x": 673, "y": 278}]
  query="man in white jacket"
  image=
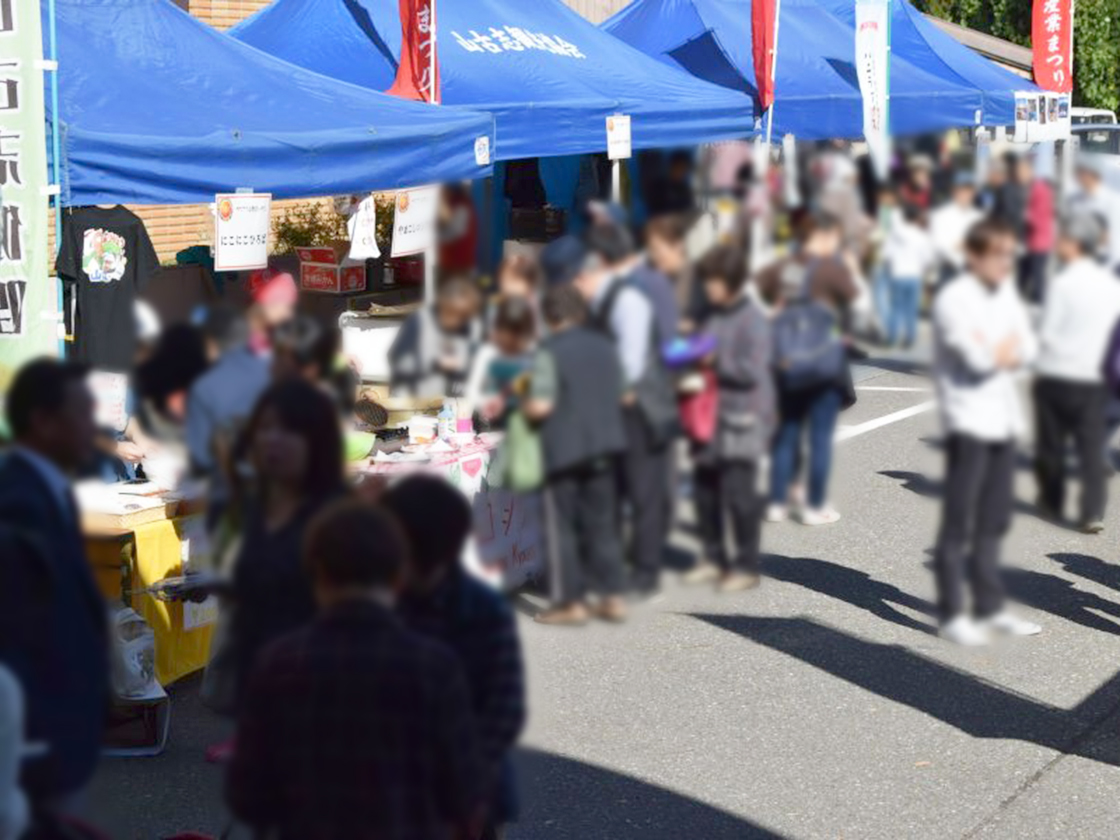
[
  {"x": 1082, "y": 308},
  {"x": 983, "y": 339}
]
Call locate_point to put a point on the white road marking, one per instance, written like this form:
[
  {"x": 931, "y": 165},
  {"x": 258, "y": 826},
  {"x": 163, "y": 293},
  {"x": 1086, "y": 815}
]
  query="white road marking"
[
  {"x": 893, "y": 388},
  {"x": 849, "y": 432}
]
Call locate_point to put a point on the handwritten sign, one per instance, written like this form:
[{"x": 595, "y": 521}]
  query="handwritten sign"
[{"x": 241, "y": 223}]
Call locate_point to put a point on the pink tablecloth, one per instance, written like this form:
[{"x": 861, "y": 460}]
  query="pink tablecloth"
[{"x": 508, "y": 548}]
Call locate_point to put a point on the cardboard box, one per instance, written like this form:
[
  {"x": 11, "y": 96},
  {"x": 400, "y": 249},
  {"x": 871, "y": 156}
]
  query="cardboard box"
[{"x": 328, "y": 270}]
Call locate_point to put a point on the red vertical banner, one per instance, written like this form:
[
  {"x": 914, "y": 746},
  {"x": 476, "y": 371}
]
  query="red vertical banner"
[
  {"x": 1052, "y": 43},
  {"x": 764, "y": 15},
  {"x": 418, "y": 72}
]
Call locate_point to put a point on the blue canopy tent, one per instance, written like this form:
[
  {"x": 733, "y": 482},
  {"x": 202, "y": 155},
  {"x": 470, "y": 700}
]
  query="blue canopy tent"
[
  {"x": 156, "y": 107},
  {"x": 816, "y": 90},
  {"x": 549, "y": 77}
]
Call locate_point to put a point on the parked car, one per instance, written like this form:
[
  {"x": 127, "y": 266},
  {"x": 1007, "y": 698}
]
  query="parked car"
[{"x": 1092, "y": 116}]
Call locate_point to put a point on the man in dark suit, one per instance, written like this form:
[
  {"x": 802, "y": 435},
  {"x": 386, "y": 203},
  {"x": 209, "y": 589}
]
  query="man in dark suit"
[
  {"x": 53, "y": 629},
  {"x": 355, "y": 728}
]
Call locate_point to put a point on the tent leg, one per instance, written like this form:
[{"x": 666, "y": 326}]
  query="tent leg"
[
  {"x": 430, "y": 274},
  {"x": 616, "y": 181}
]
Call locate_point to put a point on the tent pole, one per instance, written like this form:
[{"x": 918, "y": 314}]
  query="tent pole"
[
  {"x": 616, "y": 181},
  {"x": 56, "y": 180}
]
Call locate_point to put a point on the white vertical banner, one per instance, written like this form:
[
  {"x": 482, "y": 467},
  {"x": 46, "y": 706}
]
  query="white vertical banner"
[{"x": 873, "y": 44}]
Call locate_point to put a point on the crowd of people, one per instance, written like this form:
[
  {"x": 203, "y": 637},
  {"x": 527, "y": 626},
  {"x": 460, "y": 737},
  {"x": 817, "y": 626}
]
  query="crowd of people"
[{"x": 378, "y": 688}]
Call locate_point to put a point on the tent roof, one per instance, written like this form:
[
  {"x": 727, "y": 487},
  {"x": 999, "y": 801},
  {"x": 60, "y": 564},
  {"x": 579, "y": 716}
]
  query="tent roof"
[
  {"x": 158, "y": 108},
  {"x": 546, "y": 101},
  {"x": 922, "y": 42},
  {"x": 817, "y": 90}
]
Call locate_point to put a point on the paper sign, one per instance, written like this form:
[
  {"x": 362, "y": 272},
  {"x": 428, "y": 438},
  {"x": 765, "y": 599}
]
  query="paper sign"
[
  {"x": 362, "y": 227},
  {"x": 110, "y": 394},
  {"x": 618, "y": 137},
  {"x": 482, "y": 151},
  {"x": 241, "y": 223},
  {"x": 414, "y": 224}
]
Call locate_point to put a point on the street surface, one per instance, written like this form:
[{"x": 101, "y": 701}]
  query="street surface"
[{"x": 821, "y": 705}]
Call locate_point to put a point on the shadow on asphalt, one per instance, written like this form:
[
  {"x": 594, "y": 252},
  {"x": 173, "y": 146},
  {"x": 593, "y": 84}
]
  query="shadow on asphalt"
[
  {"x": 566, "y": 799},
  {"x": 961, "y": 700},
  {"x": 851, "y": 585},
  {"x": 1090, "y": 568},
  {"x": 931, "y": 488}
]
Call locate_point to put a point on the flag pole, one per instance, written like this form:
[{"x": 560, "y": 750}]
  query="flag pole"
[
  {"x": 431, "y": 254},
  {"x": 773, "y": 76}
]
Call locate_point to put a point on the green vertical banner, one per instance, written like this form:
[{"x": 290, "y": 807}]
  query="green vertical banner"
[{"x": 28, "y": 296}]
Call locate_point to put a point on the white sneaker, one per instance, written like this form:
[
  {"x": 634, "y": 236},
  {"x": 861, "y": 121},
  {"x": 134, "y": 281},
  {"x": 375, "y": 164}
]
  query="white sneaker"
[
  {"x": 1012, "y": 625},
  {"x": 777, "y": 513},
  {"x": 819, "y": 516},
  {"x": 963, "y": 631}
]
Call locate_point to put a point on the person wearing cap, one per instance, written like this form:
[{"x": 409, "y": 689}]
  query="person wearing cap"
[
  {"x": 562, "y": 259},
  {"x": 1081, "y": 310},
  {"x": 950, "y": 223},
  {"x": 1093, "y": 195}
]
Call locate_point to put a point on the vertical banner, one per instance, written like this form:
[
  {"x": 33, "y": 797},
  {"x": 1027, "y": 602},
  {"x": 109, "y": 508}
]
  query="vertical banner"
[
  {"x": 28, "y": 297},
  {"x": 418, "y": 71},
  {"x": 873, "y": 44},
  {"x": 764, "y": 21},
  {"x": 1052, "y": 44}
]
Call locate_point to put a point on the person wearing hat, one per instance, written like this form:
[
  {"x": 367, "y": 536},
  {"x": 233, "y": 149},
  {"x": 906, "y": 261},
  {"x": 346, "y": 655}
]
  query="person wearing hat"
[
  {"x": 1082, "y": 308},
  {"x": 1093, "y": 195}
]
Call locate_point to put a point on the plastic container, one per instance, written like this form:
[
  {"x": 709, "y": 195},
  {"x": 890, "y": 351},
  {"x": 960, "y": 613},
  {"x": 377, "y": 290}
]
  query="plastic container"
[{"x": 422, "y": 429}]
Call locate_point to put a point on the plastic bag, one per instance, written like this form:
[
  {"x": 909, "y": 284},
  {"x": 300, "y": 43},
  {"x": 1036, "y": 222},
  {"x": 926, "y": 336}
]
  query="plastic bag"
[{"x": 133, "y": 665}]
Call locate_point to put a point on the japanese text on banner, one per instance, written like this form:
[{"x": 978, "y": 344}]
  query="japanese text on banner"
[{"x": 28, "y": 300}]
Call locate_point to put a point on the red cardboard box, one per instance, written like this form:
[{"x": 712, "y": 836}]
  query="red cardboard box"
[{"x": 328, "y": 270}]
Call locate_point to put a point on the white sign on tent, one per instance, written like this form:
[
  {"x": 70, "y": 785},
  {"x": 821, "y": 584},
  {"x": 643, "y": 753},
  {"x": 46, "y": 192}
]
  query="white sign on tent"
[
  {"x": 414, "y": 224},
  {"x": 241, "y": 223},
  {"x": 873, "y": 66}
]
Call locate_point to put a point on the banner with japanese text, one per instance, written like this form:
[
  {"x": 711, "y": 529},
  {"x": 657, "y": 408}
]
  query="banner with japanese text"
[
  {"x": 1052, "y": 43},
  {"x": 873, "y": 40},
  {"x": 28, "y": 297},
  {"x": 418, "y": 71}
]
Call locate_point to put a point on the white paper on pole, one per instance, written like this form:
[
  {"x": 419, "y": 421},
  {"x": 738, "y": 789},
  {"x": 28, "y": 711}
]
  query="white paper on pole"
[
  {"x": 873, "y": 67},
  {"x": 110, "y": 396},
  {"x": 414, "y": 224},
  {"x": 362, "y": 227},
  {"x": 789, "y": 171},
  {"x": 241, "y": 222},
  {"x": 618, "y": 137}
]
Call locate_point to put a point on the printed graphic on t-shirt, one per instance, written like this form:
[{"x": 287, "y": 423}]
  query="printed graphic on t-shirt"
[{"x": 104, "y": 259}]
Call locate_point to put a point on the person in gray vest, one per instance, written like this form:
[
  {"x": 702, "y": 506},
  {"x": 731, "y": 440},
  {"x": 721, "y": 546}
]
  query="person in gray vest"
[
  {"x": 576, "y": 394},
  {"x": 621, "y": 312},
  {"x": 726, "y": 477}
]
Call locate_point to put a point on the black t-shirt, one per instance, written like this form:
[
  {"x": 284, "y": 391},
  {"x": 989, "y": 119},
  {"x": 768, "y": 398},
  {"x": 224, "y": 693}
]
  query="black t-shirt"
[{"x": 108, "y": 258}]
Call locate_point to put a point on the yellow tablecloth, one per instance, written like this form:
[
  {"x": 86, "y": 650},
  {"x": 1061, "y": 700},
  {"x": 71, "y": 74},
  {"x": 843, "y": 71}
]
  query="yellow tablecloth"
[{"x": 182, "y": 631}]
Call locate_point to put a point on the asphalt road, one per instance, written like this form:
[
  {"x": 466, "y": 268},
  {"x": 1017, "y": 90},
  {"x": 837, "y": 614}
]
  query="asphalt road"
[{"x": 821, "y": 705}]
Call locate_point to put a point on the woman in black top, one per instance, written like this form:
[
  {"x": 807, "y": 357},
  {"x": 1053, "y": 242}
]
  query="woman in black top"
[{"x": 293, "y": 447}]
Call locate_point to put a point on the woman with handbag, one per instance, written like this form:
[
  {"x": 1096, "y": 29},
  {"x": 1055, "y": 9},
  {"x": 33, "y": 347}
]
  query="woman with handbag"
[{"x": 729, "y": 424}]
